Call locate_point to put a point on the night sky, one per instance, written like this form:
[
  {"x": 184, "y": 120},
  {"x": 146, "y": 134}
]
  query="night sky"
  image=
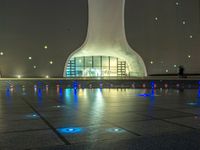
[{"x": 166, "y": 34}]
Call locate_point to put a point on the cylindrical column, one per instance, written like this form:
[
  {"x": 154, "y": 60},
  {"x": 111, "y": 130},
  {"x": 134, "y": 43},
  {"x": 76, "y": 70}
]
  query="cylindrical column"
[{"x": 106, "y": 22}]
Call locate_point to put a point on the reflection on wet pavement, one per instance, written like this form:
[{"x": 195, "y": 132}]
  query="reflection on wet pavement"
[{"x": 34, "y": 113}]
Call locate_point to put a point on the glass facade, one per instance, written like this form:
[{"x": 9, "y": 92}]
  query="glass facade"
[{"x": 94, "y": 66}]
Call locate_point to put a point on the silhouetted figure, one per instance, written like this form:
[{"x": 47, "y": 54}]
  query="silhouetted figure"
[{"x": 181, "y": 71}]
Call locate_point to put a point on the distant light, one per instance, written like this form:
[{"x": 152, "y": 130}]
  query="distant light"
[
  {"x": 156, "y": 18},
  {"x": 34, "y": 67},
  {"x": 46, "y": 76},
  {"x": 1, "y": 53},
  {"x": 32, "y": 116},
  {"x": 115, "y": 130},
  {"x": 166, "y": 85},
  {"x": 177, "y": 3},
  {"x": 184, "y": 22},
  {"x": 19, "y": 76},
  {"x": 189, "y": 56},
  {"x": 45, "y": 47},
  {"x": 192, "y": 104},
  {"x": 151, "y": 62},
  {"x": 191, "y": 36},
  {"x": 51, "y": 62},
  {"x": 29, "y": 58},
  {"x": 166, "y": 70},
  {"x": 175, "y": 66}
]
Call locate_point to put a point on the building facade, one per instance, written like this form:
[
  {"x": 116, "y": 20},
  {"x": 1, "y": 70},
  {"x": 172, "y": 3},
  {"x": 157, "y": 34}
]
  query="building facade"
[{"x": 105, "y": 51}]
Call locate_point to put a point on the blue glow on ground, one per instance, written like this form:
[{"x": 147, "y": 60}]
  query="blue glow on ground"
[
  {"x": 144, "y": 95},
  {"x": 8, "y": 92},
  {"x": 115, "y": 130},
  {"x": 39, "y": 96},
  {"x": 60, "y": 92},
  {"x": 71, "y": 130},
  {"x": 75, "y": 85},
  {"x": 75, "y": 95},
  {"x": 197, "y": 102},
  {"x": 199, "y": 90},
  {"x": 152, "y": 84}
]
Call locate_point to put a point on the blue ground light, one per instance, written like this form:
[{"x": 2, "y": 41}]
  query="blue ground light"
[
  {"x": 72, "y": 130},
  {"x": 149, "y": 94},
  {"x": 197, "y": 102},
  {"x": 144, "y": 95}
]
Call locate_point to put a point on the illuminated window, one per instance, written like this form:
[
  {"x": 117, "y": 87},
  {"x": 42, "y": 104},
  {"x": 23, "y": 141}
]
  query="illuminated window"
[{"x": 94, "y": 66}]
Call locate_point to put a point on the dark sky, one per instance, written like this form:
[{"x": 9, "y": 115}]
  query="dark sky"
[{"x": 162, "y": 31}]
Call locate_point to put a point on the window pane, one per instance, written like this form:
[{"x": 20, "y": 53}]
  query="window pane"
[
  {"x": 105, "y": 61},
  {"x": 88, "y": 61},
  {"x": 79, "y": 71},
  {"x": 113, "y": 61},
  {"x": 97, "y": 61},
  {"x": 79, "y": 62}
]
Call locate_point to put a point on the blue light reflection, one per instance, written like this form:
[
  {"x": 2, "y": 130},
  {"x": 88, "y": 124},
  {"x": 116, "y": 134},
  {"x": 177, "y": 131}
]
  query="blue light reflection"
[
  {"x": 72, "y": 130},
  {"x": 197, "y": 102},
  {"x": 151, "y": 94}
]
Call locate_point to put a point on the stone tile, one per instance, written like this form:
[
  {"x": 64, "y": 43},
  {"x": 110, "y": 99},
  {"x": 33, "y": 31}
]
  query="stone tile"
[
  {"x": 97, "y": 133},
  {"x": 162, "y": 114},
  {"x": 21, "y": 125},
  {"x": 28, "y": 140},
  {"x": 193, "y": 122},
  {"x": 152, "y": 127}
]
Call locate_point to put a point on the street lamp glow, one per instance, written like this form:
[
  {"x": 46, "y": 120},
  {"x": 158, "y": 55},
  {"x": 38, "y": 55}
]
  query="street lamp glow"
[
  {"x": 1, "y": 53},
  {"x": 19, "y": 76},
  {"x": 51, "y": 62}
]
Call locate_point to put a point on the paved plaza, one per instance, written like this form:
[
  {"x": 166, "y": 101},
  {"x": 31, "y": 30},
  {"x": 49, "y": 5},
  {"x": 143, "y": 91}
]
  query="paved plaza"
[{"x": 54, "y": 117}]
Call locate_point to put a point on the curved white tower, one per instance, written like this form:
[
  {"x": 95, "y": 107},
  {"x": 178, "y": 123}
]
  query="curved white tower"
[{"x": 105, "y": 51}]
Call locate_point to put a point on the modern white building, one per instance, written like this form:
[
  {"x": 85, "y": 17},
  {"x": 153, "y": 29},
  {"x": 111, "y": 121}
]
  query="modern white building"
[{"x": 105, "y": 51}]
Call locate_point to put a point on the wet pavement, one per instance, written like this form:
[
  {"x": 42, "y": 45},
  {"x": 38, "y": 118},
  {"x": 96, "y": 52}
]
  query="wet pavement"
[{"x": 45, "y": 116}]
